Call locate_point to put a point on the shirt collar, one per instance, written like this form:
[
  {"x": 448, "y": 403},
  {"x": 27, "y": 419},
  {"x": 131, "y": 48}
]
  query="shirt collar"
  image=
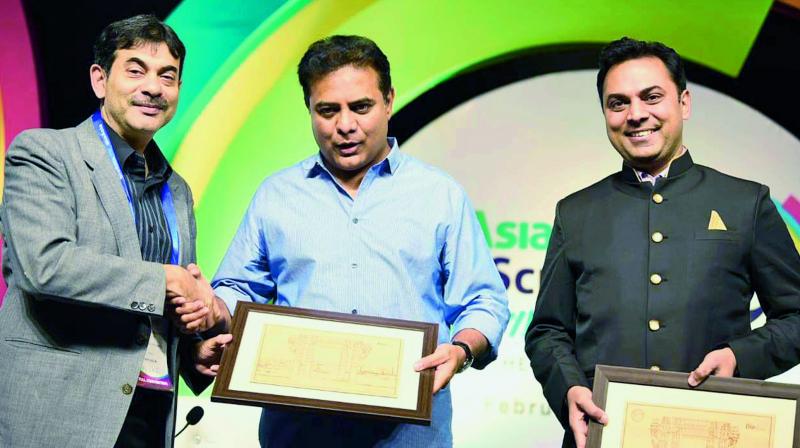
[
  {"x": 156, "y": 162},
  {"x": 678, "y": 166},
  {"x": 314, "y": 165}
]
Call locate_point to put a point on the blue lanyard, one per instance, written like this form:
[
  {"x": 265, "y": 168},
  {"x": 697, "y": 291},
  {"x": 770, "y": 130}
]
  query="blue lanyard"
[{"x": 167, "y": 203}]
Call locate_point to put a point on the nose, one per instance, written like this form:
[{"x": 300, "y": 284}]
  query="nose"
[
  {"x": 151, "y": 85},
  {"x": 347, "y": 123},
  {"x": 637, "y": 112}
]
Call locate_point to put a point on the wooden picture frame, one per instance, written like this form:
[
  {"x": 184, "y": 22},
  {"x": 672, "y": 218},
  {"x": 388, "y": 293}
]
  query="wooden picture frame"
[
  {"x": 320, "y": 361},
  {"x": 655, "y": 408}
]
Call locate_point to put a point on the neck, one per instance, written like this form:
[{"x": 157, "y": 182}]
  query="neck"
[
  {"x": 137, "y": 141},
  {"x": 659, "y": 166},
  {"x": 350, "y": 180}
]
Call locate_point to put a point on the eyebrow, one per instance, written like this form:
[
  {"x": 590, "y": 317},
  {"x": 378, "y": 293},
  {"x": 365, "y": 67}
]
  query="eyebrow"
[
  {"x": 649, "y": 89},
  {"x": 642, "y": 92},
  {"x": 164, "y": 69},
  {"x": 365, "y": 100}
]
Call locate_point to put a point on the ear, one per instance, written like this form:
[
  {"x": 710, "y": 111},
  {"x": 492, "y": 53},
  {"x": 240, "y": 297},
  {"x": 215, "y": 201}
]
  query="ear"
[
  {"x": 98, "y": 77},
  {"x": 389, "y": 103},
  {"x": 686, "y": 104}
]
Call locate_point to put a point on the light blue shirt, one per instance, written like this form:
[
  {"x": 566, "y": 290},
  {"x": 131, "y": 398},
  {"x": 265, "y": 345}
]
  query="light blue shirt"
[{"x": 409, "y": 246}]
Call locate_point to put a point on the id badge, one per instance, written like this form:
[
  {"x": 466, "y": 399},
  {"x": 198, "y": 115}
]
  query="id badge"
[{"x": 155, "y": 369}]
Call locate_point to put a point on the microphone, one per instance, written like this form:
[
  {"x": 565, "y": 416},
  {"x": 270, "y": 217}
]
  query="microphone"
[{"x": 194, "y": 416}]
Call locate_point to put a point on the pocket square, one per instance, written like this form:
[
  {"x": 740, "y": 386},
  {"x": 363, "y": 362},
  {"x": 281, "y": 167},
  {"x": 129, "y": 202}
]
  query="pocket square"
[{"x": 715, "y": 222}]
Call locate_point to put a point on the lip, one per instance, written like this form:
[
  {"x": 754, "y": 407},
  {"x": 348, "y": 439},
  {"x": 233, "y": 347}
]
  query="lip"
[
  {"x": 149, "y": 109},
  {"x": 641, "y": 135},
  {"x": 347, "y": 148}
]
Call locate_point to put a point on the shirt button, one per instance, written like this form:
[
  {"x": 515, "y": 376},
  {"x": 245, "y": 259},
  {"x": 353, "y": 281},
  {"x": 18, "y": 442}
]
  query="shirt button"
[
  {"x": 655, "y": 368},
  {"x": 657, "y": 198},
  {"x": 127, "y": 389},
  {"x": 654, "y": 325},
  {"x": 657, "y": 237},
  {"x": 354, "y": 311},
  {"x": 355, "y": 220},
  {"x": 354, "y": 265},
  {"x": 656, "y": 279}
]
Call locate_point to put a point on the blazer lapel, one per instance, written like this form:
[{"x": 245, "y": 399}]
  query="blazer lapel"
[
  {"x": 179, "y": 196},
  {"x": 109, "y": 189}
]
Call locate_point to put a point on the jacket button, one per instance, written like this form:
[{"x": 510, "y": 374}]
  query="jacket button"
[
  {"x": 151, "y": 308},
  {"x": 135, "y": 305},
  {"x": 657, "y": 198},
  {"x": 127, "y": 389},
  {"x": 657, "y": 237},
  {"x": 654, "y": 325},
  {"x": 656, "y": 279},
  {"x": 655, "y": 368}
]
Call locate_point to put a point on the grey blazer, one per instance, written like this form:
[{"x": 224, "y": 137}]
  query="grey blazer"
[{"x": 74, "y": 324}]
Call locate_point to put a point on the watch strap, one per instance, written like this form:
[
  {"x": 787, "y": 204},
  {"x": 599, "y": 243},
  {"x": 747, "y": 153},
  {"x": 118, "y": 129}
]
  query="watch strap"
[{"x": 468, "y": 360}]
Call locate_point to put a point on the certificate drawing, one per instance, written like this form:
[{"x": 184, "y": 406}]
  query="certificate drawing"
[
  {"x": 659, "y": 426},
  {"x": 330, "y": 361}
]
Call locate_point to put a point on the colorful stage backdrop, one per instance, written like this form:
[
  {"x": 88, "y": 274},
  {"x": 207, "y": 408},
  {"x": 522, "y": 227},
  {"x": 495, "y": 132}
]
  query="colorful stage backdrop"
[{"x": 517, "y": 147}]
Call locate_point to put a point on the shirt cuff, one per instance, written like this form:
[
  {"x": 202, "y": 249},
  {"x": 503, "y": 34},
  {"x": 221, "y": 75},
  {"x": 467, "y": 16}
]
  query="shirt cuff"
[
  {"x": 231, "y": 297},
  {"x": 486, "y": 324}
]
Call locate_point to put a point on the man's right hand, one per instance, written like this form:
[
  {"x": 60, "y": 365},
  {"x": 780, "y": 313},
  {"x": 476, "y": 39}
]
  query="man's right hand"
[
  {"x": 180, "y": 282},
  {"x": 195, "y": 308},
  {"x": 208, "y": 312},
  {"x": 581, "y": 409}
]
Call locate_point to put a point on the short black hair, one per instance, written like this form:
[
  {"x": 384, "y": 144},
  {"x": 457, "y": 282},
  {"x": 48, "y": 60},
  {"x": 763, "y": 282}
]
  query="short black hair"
[
  {"x": 132, "y": 32},
  {"x": 626, "y": 49},
  {"x": 327, "y": 55}
]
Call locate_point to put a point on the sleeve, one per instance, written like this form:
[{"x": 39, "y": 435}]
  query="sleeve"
[
  {"x": 244, "y": 273},
  {"x": 474, "y": 294},
  {"x": 775, "y": 275},
  {"x": 550, "y": 339},
  {"x": 41, "y": 227}
]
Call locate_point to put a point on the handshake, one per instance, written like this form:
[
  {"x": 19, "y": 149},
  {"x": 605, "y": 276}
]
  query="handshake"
[{"x": 195, "y": 307}]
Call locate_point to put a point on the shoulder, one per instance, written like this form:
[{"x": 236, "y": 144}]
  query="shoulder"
[
  {"x": 289, "y": 174},
  {"x": 591, "y": 194},
  {"x": 426, "y": 176},
  {"x": 730, "y": 185},
  {"x": 43, "y": 140}
]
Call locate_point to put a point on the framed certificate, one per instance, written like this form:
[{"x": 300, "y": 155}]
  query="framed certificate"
[
  {"x": 658, "y": 409},
  {"x": 302, "y": 359}
]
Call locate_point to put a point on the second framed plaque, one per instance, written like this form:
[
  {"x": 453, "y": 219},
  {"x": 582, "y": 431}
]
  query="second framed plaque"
[
  {"x": 658, "y": 409},
  {"x": 320, "y": 361}
]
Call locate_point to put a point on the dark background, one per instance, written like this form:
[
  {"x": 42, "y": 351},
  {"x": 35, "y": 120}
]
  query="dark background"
[{"x": 63, "y": 34}]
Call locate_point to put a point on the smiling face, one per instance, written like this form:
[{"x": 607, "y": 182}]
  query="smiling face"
[
  {"x": 350, "y": 121},
  {"x": 140, "y": 91},
  {"x": 644, "y": 113}
]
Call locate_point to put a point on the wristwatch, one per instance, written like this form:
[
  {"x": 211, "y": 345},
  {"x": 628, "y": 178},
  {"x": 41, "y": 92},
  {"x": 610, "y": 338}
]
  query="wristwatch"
[{"x": 469, "y": 359}]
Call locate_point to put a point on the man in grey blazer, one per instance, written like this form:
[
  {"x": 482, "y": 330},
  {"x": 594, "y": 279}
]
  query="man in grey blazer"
[{"x": 99, "y": 313}]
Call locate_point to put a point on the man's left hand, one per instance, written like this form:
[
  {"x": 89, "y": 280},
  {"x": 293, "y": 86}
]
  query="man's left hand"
[
  {"x": 209, "y": 353},
  {"x": 720, "y": 362},
  {"x": 447, "y": 358}
]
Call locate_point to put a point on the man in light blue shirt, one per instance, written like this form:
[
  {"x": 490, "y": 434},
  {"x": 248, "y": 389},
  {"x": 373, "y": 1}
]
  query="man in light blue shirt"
[{"x": 362, "y": 228}]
